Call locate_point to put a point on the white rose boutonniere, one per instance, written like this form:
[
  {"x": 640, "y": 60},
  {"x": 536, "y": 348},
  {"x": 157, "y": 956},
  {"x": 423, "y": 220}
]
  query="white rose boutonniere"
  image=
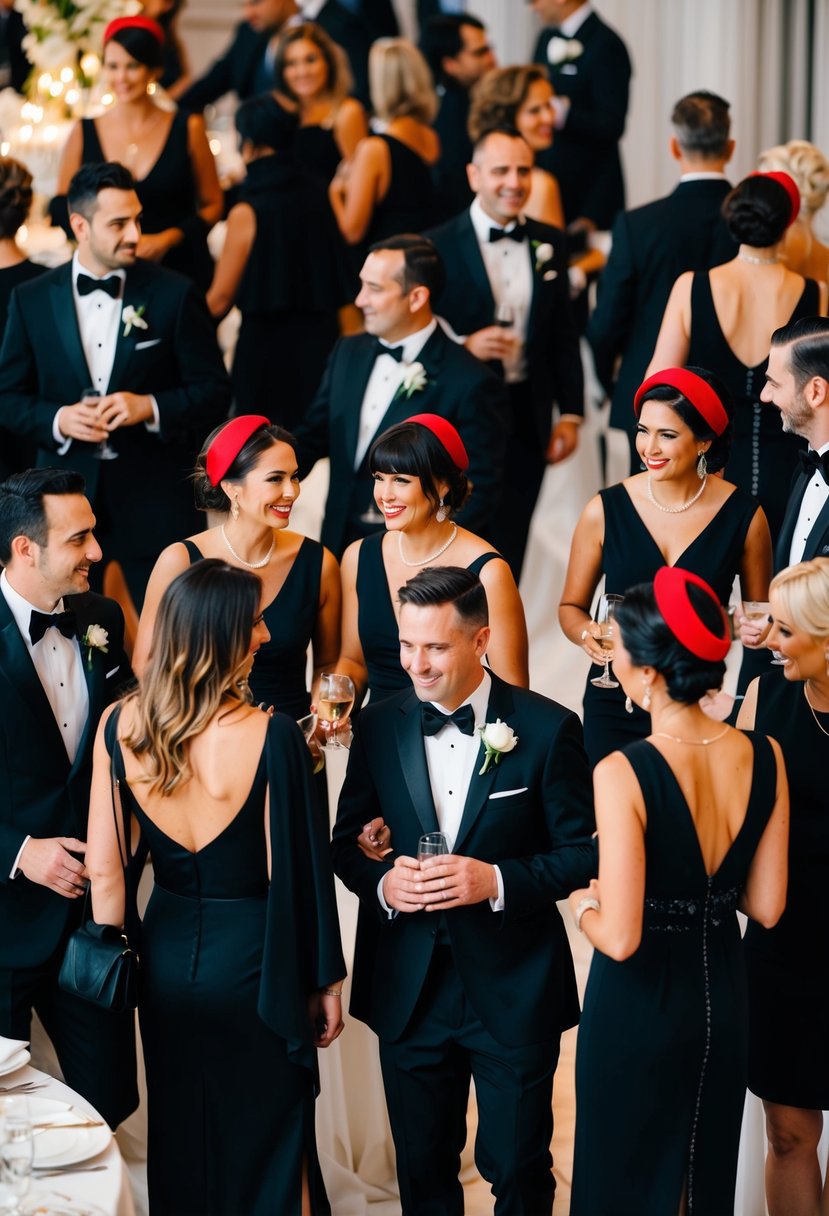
[
  {"x": 543, "y": 254},
  {"x": 563, "y": 50},
  {"x": 414, "y": 380},
  {"x": 498, "y": 740},
  {"x": 133, "y": 318},
  {"x": 95, "y": 638}
]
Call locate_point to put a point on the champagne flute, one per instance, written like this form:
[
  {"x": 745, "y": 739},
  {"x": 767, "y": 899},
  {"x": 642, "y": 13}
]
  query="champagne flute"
[
  {"x": 336, "y": 697},
  {"x": 605, "y": 618},
  {"x": 16, "y": 1152},
  {"x": 91, "y": 396},
  {"x": 504, "y": 316},
  {"x": 433, "y": 844}
]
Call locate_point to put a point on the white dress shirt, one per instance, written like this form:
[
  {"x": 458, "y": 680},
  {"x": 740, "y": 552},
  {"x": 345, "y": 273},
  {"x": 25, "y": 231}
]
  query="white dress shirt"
[
  {"x": 814, "y": 500},
  {"x": 59, "y": 666},
  {"x": 508, "y": 266},
  {"x": 384, "y": 381}
]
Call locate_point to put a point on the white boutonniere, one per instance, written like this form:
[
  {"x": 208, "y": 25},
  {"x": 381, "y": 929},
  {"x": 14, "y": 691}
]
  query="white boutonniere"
[
  {"x": 414, "y": 380},
  {"x": 498, "y": 739},
  {"x": 133, "y": 318},
  {"x": 95, "y": 638},
  {"x": 563, "y": 50},
  {"x": 543, "y": 254}
]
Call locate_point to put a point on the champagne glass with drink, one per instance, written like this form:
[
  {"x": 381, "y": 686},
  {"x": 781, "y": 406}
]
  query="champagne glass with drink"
[
  {"x": 605, "y": 618},
  {"x": 433, "y": 844},
  {"x": 104, "y": 451},
  {"x": 336, "y": 697}
]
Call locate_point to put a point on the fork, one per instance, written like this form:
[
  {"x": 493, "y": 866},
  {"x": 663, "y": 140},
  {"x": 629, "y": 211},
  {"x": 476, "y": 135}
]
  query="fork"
[
  {"x": 54, "y": 1171},
  {"x": 24, "y": 1087}
]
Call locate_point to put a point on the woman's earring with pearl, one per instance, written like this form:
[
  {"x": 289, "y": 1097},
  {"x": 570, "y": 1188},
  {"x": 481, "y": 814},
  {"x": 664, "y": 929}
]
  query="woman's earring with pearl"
[{"x": 440, "y": 514}]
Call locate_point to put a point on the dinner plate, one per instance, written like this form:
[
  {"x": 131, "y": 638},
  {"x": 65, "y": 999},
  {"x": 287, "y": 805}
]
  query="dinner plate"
[
  {"x": 12, "y": 1063},
  {"x": 64, "y": 1146}
]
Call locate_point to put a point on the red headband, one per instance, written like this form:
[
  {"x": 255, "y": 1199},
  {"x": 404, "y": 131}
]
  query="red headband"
[
  {"x": 670, "y": 587},
  {"x": 229, "y": 442},
  {"x": 696, "y": 390},
  {"x": 134, "y": 23},
  {"x": 448, "y": 436},
  {"x": 789, "y": 185}
]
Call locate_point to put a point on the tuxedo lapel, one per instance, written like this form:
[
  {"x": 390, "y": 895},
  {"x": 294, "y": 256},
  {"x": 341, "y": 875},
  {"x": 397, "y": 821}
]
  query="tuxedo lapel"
[
  {"x": 413, "y": 762},
  {"x": 17, "y": 663},
  {"x": 816, "y": 535},
  {"x": 500, "y": 705},
  {"x": 784, "y": 541},
  {"x": 95, "y": 677},
  {"x": 66, "y": 325},
  {"x": 362, "y": 364},
  {"x": 402, "y": 407},
  {"x": 136, "y": 291},
  {"x": 469, "y": 255}
]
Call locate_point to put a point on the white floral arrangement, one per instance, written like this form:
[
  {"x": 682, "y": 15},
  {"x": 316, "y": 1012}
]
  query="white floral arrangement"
[
  {"x": 62, "y": 32},
  {"x": 543, "y": 254},
  {"x": 133, "y": 318},
  {"x": 95, "y": 638},
  {"x": 498, "y": 739},
  {"x": 563, "y": 50}
]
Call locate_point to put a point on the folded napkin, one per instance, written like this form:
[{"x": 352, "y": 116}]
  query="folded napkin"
[{"x": 11, "y": 1049}]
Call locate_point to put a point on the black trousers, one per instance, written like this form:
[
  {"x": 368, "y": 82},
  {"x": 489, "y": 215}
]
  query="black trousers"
[
  {"x": 426, "y": 1076},
  {"x": 524, "y": 466}
]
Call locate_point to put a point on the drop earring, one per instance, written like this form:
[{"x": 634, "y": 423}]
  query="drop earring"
[
  {"x": 440, "y": 514},
  {"x": 234, "y": 508},
  {"x": 646, "y": 698},
  {"x": 628, "y": 705},
  {"x": 826, "y": 661},
  {"x": 702, "y": 466}
]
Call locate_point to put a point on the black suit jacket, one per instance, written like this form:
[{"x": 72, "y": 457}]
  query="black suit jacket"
[
  {"x": 42, "y": 794},
  {"x": 458, "y": 387},
  {"x": 531, "y": 814},
  {"x": 146, "y": 491},
  {"x": 652, "y": 246},
  {"x": 585, "y": 153},
  {"x": 236, "y": 71},
  {"x": 354, "y": 36},
  {"x": 817, "y": 544},
  {"x": 554, "y": 363},
  {"x": 452, "y": 192}
]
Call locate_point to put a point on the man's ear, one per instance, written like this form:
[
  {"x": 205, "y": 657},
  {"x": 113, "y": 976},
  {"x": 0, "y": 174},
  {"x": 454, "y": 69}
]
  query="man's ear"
[
  {"x": 79, "y": 225},
  {"x": 473, "y": 176}
]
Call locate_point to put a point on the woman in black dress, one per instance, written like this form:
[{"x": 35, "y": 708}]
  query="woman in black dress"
[
  {"x": 248, "y": 469},
  {"x": 167, "y": 153},
  {"x": 285, "y": 265},
  {"x": 675, "y": 511},
  {"x": 241, "y": 962},
  {"x": 788, "y": 1044},
  {"x": 692, "y": 824},
  {"x": 419, "y": 471}
]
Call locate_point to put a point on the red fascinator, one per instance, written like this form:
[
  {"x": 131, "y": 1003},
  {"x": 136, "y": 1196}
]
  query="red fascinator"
[
  {"x": 229, "y": 442},
  {"x": 448, "y": 436},
  {"x": 670, "y": 588},
  {"x": 790, "y": 186},
  {"x": 693, "y": 388},
  {"x": 134, "y": 23}
]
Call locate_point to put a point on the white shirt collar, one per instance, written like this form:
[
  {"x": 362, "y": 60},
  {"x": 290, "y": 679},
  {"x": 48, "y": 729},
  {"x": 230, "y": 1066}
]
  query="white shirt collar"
[
  {"x": 413, "y": 343},
  {"x": 482, "y": 222},
  {"x": 572, "y": 24},
  {"x": 79, "y": 268},
  {"x": 824, "y": 447},
  {"x": 703, "y": 176},
  {"x": 479, "y": 700},
  {"x": 20, "y": 608},
  {"x": 310, "y": 9}
]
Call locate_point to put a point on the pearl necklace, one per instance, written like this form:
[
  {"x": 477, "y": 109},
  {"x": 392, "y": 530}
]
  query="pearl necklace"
[
  {"x": 431, "y": 556},
  {"x": 675, "y": 510},
  {"x": 241, "y": 560},
  {"x": 812, "y": 708},
  {"x": 661, "y": 734},
  {"x": 747, "y": 257}
]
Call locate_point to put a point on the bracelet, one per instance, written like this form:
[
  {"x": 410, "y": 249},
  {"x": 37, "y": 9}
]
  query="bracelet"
[
  {"x": 332, "y": 991},
  {"x": 583, "y": 906}
]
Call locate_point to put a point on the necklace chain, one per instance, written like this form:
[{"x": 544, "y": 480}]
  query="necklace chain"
[
  {"x": 675, "y": 510},
  {"x": 431, "y": 556},
  {"x": 250, "y": 565},
  {"x": 662, "y": 734},
  {"x": 753, "y": 261},
  {"x": 814, "y": 712}
]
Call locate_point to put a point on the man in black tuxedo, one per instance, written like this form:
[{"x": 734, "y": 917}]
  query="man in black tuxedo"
[
  {"x": 462, "y": 966},
  {"x": 139, "y": 336},
  {"x": 497, "y": 258},
  {"x": 56, "y": 678},
  {"x": 653, "y": 245},
  {"x": 797, "y": 384},
  {"x": 364, "y": 391},
  {"x": 246, "y": 67},
  {"x": 457, "y": 50},
  {"x": 590, "y": 71}
]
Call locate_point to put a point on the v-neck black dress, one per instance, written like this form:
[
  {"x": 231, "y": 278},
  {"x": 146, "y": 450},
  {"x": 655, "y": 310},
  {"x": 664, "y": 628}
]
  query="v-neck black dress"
[
  {"x": 661, "y": 1060},
  {"x": 630, "y": 556}
]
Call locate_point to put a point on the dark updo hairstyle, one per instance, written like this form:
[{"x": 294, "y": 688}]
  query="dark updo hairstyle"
[
  {"x": 15, "y": 196},
  {"x": 757, "y": 211},
  {"x": 650, "y": 643},
  {"x": 263, "y": 123},
  {"x": 717, "y": 455},
  {"x": 143, "y": 46},
  {"x": 413, "y": 450},
  {"x": 213, "y": 498}
]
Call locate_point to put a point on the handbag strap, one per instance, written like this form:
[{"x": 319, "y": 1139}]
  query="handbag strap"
[{"x": 117, "y": 775}]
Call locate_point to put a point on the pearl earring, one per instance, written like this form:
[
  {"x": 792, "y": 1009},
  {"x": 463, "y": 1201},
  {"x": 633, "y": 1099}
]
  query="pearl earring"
[
  {"x": 628, "y": 705},
  {"x": 646, "y": 698}
]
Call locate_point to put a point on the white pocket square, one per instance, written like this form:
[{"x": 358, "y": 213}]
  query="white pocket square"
[
  {"x": 112, "y": 673},
  {"x": 509, "y": 793},
  {"x": 569, "y": 69},
  {"x": 149, "y": 342},
  {"x": 549, "y": 275}
]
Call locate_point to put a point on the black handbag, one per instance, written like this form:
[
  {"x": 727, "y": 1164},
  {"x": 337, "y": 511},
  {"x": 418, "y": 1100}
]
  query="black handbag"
[{"x": 99, "y": 964}]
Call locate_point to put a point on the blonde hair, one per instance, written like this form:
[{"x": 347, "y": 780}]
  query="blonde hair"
[
  {"x": 804, "y": 592},
  {"x": 340, "y": 80},
  {"x": 400, "y": 82},
  {"x": 499, "y": 95},
  {"x": 806, "y": 164},
  {"x": 199, "y": 659}
]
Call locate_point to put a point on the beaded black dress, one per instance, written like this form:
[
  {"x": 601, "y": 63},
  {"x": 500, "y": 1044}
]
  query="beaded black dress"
[{"x": 662, "y": 1045}]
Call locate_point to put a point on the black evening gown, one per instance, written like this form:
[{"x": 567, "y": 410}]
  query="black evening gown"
[
  {"x": 629, "y": 556},
  {"x": 317, "y": 152},
  {"x": 376, "y": 622},
  {"x": 661, "y": 1054},
  {"x": 408, "y": 205},
  {"x": 297, "y": 277},
  {"x": 169, "y": 198},
  {"x": 15, "y": 453},
  {"x": 763, "y": 457},
  {"x": 788, "y": 1059},
  {"x": 228, "y": 961}
]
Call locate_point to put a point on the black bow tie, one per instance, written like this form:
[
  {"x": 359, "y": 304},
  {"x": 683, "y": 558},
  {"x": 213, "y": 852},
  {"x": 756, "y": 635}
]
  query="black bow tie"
[
  {"x": 396, "y": 352},
  {"x": 41, "y": 621},
  {"x": 111, "y": 285},
  {"x": 501, "y": 234},
  {"x": 813, "y": 461},
  {"x": 432, "y": 720}
]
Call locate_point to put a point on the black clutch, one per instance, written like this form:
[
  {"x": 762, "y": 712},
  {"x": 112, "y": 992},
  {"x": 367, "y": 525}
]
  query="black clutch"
[{"x": 100, "y": 966}]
